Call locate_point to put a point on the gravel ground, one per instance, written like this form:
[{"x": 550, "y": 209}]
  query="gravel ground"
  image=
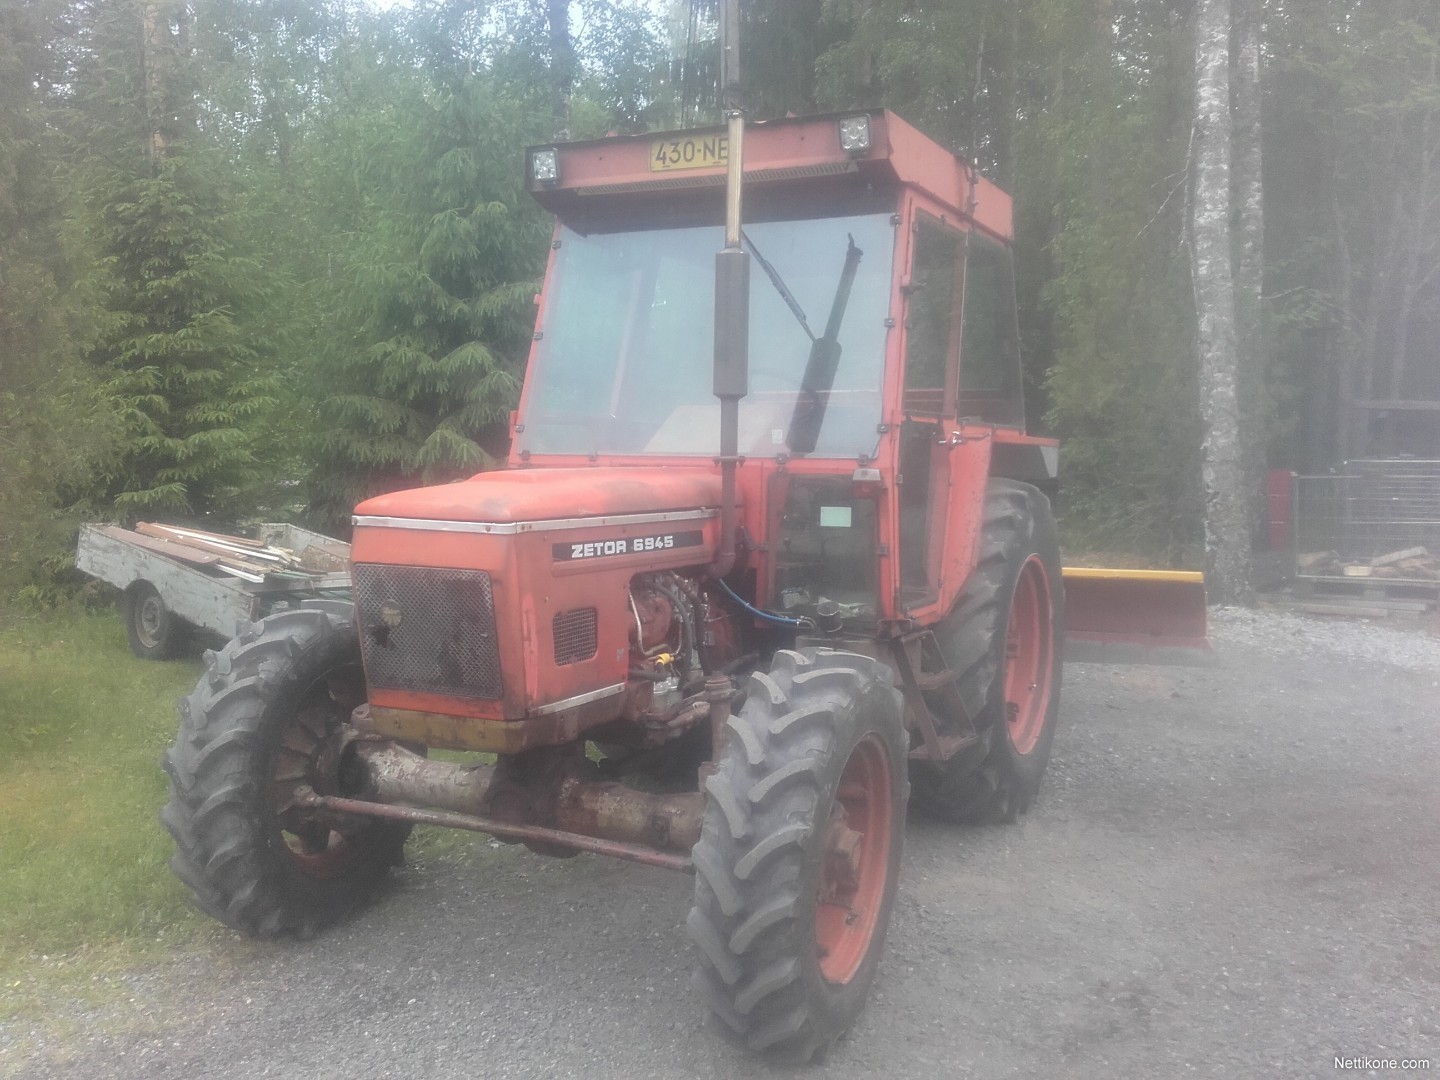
[{"x": 1230, "y": 872}]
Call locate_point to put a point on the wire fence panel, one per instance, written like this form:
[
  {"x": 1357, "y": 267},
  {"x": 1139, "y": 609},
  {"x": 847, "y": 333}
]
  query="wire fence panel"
[{"x": 1375, "y": 508}]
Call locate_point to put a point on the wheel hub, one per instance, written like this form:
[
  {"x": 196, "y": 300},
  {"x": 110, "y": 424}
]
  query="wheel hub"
[
  {"x": 855, "y": 862},
  {"x": 1029, "y": 657},
  {"x": 319, "y": 844},
  {"x": 152, "y": 616}
]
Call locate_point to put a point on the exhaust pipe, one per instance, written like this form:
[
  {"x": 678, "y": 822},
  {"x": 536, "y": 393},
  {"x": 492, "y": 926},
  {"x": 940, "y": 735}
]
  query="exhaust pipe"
[{"x": 732, "y": 292}]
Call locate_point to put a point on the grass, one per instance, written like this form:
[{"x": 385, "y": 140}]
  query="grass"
[
  {"x": 82, "y": 854},
  {"x": 85, "y": 893}
]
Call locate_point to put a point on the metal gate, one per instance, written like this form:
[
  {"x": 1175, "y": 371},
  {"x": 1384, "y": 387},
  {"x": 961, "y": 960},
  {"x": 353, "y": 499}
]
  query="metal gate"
[{"x": 1373, "y": 509}]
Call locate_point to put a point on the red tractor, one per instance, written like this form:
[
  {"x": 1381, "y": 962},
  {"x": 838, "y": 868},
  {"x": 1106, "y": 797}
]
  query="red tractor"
[{"x": 744, "y": 664}]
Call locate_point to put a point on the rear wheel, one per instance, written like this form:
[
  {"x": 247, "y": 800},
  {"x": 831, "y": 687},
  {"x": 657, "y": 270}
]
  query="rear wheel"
[
  {"x": 1003, "y": 639},
  {"x": 262, "y": 722},
  {"x": 155, "y": 632},
  {"x": 798, "y": 858}
]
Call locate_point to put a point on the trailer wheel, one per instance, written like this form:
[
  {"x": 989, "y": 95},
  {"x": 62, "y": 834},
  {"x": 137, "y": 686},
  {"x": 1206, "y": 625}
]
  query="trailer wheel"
[
  {"x": 155, "y": 632},
  {"x": 260, "y": 724},
  {"x": 799, "y": 853},
  {"x": 1003, "y": 636}
]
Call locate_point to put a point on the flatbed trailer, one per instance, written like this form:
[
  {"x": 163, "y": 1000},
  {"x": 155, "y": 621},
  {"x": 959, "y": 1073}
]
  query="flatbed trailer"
[{"x": 173, "y": 587}]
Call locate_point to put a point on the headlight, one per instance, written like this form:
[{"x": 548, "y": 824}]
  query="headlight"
[
  {"x": 545, "y": 165},
  {"x": 855, "y": 134}
]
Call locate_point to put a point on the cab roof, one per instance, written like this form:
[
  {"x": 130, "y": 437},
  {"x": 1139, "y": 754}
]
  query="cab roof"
[{"x": 792, "y": 151}]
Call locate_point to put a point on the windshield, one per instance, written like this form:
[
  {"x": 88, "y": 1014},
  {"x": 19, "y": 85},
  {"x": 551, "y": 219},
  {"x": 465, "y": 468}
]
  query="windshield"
[{"x": 624, "y": 362}]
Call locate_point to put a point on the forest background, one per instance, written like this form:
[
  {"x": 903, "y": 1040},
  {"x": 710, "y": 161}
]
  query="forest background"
[{"x": 261, "y": 258}]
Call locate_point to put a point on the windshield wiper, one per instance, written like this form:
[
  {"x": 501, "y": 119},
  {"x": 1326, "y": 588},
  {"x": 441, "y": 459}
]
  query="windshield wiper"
[
  {"x": 824, "y": 362},
  {"x": 775, "y": 279}
]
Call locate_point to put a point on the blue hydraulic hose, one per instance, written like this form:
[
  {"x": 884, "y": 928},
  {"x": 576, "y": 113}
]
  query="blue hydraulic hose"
[{"x": 753, "y": 610}]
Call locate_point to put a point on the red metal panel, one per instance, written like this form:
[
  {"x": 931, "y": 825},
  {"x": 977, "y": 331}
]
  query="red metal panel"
[
  {"x": 531, "y": 585},
  {"x": 530, "y": 495},
  {"x": 778, "y": 149},
  {"x": 783, "y": 144},
  {"x": 1278, "y": 486},
  {"x": 1135, "y": 616}
]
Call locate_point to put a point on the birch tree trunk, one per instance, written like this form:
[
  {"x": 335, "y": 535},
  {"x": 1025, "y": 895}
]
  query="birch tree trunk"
[
  {"x": 163, "y": 42},
  {"x": 1247, "y": 190},
  {"x": 1228, "y": 523}
]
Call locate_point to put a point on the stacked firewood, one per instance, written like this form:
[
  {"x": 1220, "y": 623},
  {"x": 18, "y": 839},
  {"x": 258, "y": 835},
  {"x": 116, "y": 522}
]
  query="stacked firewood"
[{"x": 1413, "y": 564}]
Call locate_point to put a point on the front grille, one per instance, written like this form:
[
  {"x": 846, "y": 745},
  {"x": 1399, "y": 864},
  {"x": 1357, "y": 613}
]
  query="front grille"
[
  {"x": 428, "y": 630},
  {"x": 574, "y": 634}
]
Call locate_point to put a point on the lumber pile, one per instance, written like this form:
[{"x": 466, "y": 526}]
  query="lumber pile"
[
  {"x": 1409, "y": 564},
  {"x": 239, "y": 556}
]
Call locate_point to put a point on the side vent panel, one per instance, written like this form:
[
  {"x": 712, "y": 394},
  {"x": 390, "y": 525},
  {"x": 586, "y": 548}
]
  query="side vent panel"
[{"x": 575, "y": 636}]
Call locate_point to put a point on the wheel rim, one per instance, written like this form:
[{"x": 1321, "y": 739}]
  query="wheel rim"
[
  {"x": 315, "y": 845},
  {"x": 855, "y": 862},
  {"x": 1029, "y": 657},
  {"x": 149, "y": 620}
]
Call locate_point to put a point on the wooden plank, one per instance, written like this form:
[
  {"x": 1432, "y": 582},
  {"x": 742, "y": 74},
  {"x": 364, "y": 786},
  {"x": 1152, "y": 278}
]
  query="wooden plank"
[
  {"x": 1374, "y": 588},
  {"x": 1354, "y": 611},
  {"x": 1400, "y": 556},
  {"x": 1396, "y": 405},
  {"x": 255, "y": 578},
  {"x": 313, "y": 551},
  {"x": 167, "y": 548},
  {"x": 247, "y": 559}
]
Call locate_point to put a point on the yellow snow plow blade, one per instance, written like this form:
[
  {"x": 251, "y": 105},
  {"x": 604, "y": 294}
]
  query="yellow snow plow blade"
[{"x": 1135, "y": 616}]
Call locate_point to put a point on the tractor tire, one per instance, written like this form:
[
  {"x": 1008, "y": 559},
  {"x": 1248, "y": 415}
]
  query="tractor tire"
[
  {"x": 1003, "y": 637},
  {"x": 799, "y": 853},
  {"x": 155, "y": 632},
  {"x": 258, "y": 725}
]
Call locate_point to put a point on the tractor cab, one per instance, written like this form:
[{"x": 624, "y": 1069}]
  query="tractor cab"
[{"x": 883, "y": 352}]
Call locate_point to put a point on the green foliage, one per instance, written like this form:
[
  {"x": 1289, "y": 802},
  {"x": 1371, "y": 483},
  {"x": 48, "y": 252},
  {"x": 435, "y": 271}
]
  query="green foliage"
[
  {"x": 56, "y": 423},
  {"x": 1100, "y": 174},
  {"x": 179, "y": 341},
  {"x": 281, "y": 251},
  {"x": 173, "y": 301},
  {"x": 425, "y": 309},
  {"x": 1353, "y": 255},
  {"x": 1082, "y": 114}
]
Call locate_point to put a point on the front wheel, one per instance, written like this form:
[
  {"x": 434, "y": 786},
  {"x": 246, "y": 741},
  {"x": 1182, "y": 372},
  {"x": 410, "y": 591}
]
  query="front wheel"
[
  {"x": 799, "y": 853},
  {"x": 263, "y": 722}
]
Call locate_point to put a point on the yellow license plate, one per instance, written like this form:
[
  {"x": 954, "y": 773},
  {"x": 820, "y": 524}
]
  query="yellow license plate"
[{"x": 689, "y": 152}]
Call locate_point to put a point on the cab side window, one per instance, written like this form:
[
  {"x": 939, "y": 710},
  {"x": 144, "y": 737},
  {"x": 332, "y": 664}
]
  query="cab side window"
[
  {"x": 990, "y": 385},
  {"x": 931, "y": 316}
]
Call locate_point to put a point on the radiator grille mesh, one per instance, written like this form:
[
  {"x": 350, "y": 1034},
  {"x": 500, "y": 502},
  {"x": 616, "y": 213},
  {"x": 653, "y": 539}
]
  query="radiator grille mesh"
[
  {"x": 575, "y": 635},
  {"x": 428, "y": 630}
]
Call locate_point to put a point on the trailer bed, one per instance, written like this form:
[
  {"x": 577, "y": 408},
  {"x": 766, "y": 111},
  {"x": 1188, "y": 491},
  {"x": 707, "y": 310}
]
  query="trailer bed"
[{"x": 211, "y": 581}]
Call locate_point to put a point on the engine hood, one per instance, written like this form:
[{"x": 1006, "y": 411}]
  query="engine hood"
[{"x": 521, "y": 495}]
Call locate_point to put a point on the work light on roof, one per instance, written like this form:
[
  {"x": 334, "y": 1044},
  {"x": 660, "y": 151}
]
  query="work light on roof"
[
  {"x": 545, "y": 165},
  {"x": 855, "y": 134}
]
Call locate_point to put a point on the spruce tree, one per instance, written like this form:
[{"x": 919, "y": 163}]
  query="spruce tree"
[
  {"x": 427, "y": 302},
  {"x": 176, "y": 334}
]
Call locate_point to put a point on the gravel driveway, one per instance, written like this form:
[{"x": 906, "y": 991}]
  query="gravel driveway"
[{"x": 1230, "y": 872}]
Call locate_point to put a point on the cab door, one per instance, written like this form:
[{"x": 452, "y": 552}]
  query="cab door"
[{"x": 933, "y": 291}]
